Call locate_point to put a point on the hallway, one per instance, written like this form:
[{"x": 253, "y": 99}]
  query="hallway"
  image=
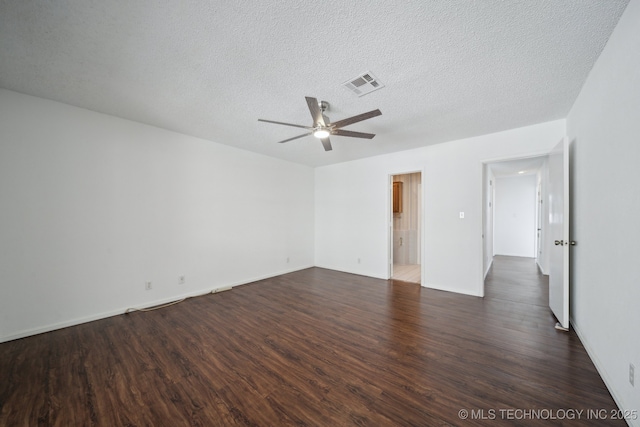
[{"x": 517, "y": 280}]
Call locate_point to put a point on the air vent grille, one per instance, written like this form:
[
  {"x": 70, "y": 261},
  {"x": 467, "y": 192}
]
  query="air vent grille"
[
  {"x": 363, "y": 84},
  {"x": 359, "y": 82}
]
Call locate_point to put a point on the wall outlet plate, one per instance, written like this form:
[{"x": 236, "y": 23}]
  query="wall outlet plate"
[
  {"x": 182, "y": 280},
  {"x": 147, "y": 286},
  {"x": 632, "y": 375}
]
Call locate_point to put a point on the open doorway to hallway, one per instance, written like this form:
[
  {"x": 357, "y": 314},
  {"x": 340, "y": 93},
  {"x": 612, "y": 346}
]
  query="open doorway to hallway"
[
  {"x": 514, "y": 217},
  {"x": 406, "y": 206}
]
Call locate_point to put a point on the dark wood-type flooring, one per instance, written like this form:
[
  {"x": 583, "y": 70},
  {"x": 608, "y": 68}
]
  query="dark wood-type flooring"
[{"x": 312, "y": 348}]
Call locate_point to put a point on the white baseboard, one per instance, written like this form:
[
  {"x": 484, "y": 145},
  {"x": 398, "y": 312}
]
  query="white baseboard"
[
  {"x": 516, "y": 255},
  {"x": 603, "y": 372},
  {"x": 448, "y": 289},
  {"x": 61, "y": 325},
  {"x": 540, "y": 268},
  {"x": 488, "y": 268},
  {"x": 122, "y": 310},
  {"x": 346, "y": 270},
  {"x": 269, "y": 276}
]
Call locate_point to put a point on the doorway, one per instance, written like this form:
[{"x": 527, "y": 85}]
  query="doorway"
[
  {"x": 515, "y": 221},
  {"x": 406, "y": 227}
]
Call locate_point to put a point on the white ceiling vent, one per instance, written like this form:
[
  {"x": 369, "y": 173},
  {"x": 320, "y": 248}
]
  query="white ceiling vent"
[{"x": 363, "y": 84}]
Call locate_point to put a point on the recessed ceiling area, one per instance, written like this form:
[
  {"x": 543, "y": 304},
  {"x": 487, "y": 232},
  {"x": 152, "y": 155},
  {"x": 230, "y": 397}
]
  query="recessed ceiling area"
[{"x": 451, "y": 69}]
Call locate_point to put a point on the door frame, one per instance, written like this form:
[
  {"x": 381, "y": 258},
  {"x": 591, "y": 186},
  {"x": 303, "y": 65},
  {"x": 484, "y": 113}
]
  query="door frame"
[
  {"x": 486, "y": 163},
  {"x": 539, "y": 223},
  {"x": 389, "y": 223},
  {"x": 488, "y": 214}
]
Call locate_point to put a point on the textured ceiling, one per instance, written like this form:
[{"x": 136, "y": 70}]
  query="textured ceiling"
[{"x": 451, "y": 69}]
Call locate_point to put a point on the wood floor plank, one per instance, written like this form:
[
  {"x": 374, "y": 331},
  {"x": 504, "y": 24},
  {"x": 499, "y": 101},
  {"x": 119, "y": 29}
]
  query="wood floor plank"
[{"x": 311, "y": 348}]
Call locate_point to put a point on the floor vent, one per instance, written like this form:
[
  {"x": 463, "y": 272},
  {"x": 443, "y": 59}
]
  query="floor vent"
[{"x": 363, "y": 84}]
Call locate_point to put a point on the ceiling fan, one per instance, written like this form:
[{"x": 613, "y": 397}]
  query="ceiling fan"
[{"x": 322, "y": 127}]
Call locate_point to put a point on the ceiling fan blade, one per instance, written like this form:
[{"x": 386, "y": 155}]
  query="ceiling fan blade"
[
  {"x": 356, "y": 119},
  {"x": 295, "y": 137},
  {"x": 343, "y": 132},
  {"x": 316, "y": 111},
  {"x": 326, "y": 144},
  {"x": 286, "y": 124}
]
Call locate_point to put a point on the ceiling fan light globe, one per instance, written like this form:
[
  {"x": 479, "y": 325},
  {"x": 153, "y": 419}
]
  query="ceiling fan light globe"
[{"x": 321, "y": 133}]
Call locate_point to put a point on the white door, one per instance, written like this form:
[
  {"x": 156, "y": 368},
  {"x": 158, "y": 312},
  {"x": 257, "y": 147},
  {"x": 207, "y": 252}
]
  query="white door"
[
  {"x": 559, "y": 232},
  {"x": 539, "y": 224}
]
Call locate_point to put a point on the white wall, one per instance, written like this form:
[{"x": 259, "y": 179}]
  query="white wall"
[
  {"x": 489, "y": 205},
  {"x": 515, "y": 216},
  {"x": 604, "y": 126},
  {"x": 92, "y": 206},
  {"x": 352, "y": 206}
]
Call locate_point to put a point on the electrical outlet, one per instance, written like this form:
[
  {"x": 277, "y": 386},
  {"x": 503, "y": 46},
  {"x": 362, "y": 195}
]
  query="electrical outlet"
[
  {"x": 461, "y": 215},
  {"x": 287, "y": 260},
  {"x": 181, "y": 280},
  {"x": 147, "y": 286},
  {"x": 358, "y": 260},
  {"x": 632, "y": 374}
]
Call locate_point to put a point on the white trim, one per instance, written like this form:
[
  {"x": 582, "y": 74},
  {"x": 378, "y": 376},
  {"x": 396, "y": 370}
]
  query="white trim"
[
  {"x": 602, "y": 371},
  {"x": 122, "y": 310},
  {"x": 516, "y": 157},
  {"x": 487, "y": 162},
  {"x": 449, "y": 289},
  {"x": 390, "y": 223},
  {"x": 516, "y": 255},
  {"x": 540, "y": 267},
  {"x": 269, "y": 276},
  {"x": 487, "y": 270},
  {"x": 357, "y": 273}
]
